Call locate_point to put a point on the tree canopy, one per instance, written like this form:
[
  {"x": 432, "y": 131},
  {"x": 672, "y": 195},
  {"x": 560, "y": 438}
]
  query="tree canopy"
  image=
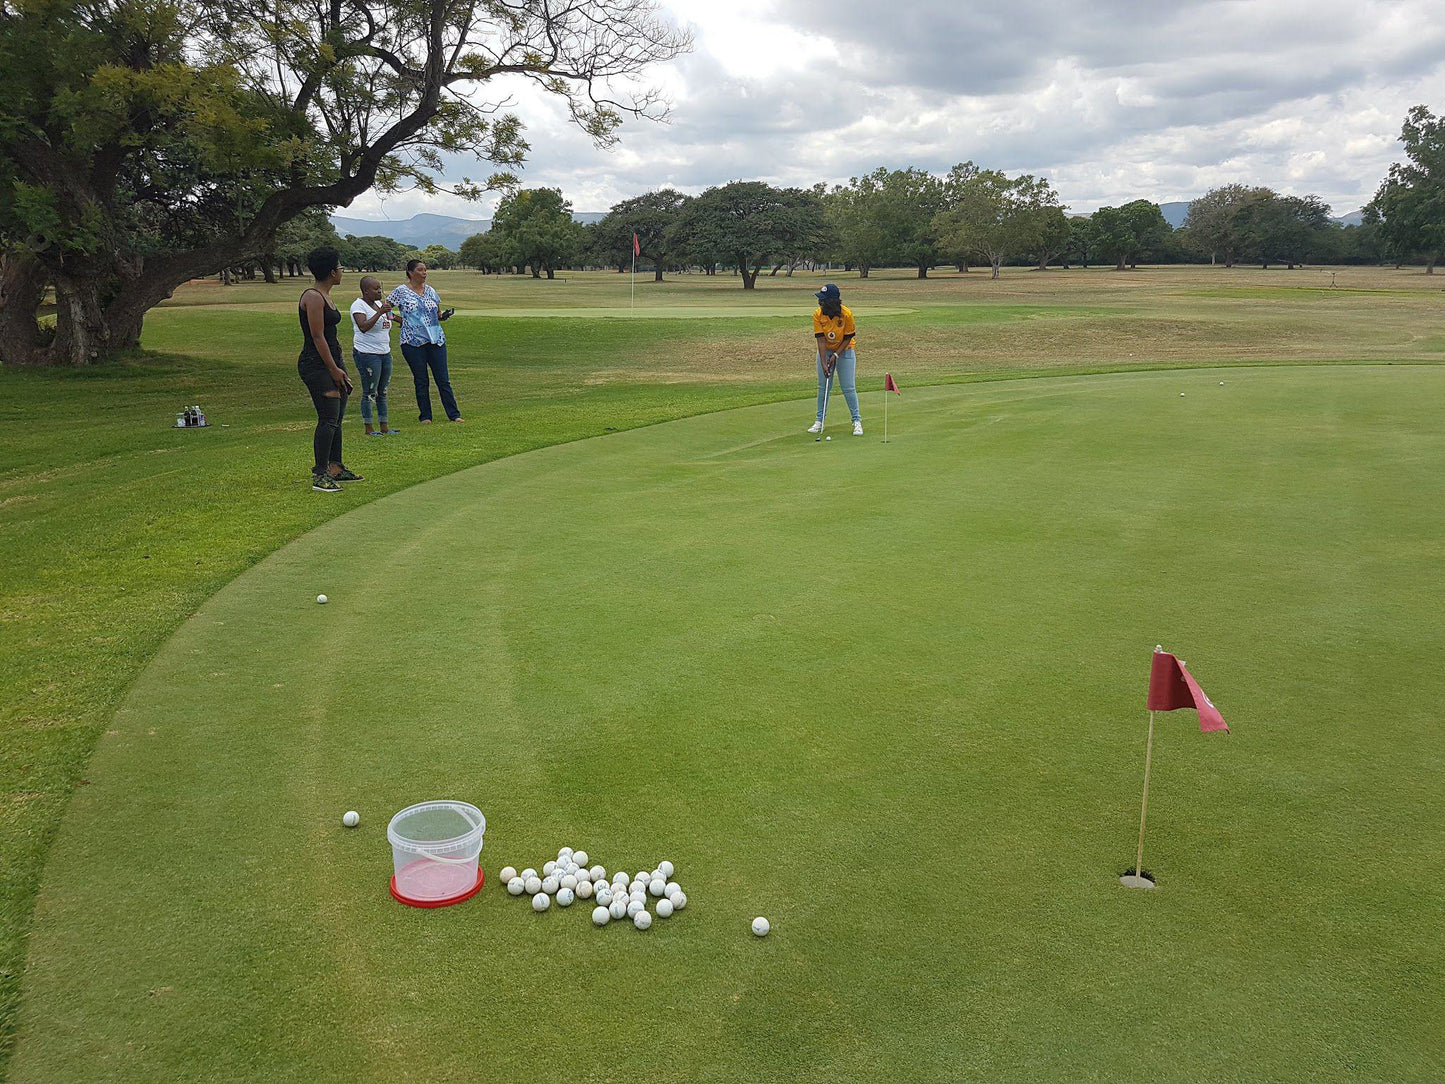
[
  {"x": 1124, "y": 234},
  {"x": 747, "y": 224},
  {"x": 1409, "y": 207},
  {"x": 651, "y": 217},
  {"x": 535, "y": 225},
  {"x": 147, "y": 142}
]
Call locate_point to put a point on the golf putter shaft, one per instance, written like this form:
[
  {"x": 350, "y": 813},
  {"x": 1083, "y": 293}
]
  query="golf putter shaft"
[{"x": 827, "y": 395}]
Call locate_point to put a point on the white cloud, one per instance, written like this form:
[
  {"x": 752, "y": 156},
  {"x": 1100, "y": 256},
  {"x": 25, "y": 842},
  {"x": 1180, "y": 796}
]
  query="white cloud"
[{"x": 1112, "y": 100}]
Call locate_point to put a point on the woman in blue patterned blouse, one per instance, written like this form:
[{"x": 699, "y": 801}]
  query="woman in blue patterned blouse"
[{"x": 422, "y": 342}]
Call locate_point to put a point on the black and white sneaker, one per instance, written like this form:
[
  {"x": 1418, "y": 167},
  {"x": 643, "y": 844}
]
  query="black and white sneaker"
[
  {"x": 348, "y": 475},
  {"x": 324, "y": 483}
]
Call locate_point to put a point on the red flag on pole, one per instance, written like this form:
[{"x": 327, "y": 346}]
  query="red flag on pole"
[
  {"x": 1172, "y": 686},
  {"x": 636, "y": 248},
  {"x": 889, "y": 384}
]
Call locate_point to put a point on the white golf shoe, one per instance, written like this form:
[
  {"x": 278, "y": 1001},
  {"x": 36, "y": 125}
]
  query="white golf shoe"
[
  {"x": 857, "y": 429},
  {"x": 816, "y": 427}
]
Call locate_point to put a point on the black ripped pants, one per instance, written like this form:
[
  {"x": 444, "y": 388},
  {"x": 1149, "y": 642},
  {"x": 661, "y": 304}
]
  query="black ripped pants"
[{"x": 326, "y": 443}]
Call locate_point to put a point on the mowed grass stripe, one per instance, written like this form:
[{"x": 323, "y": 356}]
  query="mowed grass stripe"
[{"x": 912, "y": 673}]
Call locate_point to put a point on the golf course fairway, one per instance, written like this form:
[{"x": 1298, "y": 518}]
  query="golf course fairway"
[{"x": 889, "y": 696}]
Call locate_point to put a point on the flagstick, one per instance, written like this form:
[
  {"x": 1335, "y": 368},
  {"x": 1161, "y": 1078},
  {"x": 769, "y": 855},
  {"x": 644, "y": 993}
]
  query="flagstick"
[
  {"x": 1138, "y": 880},
  {"x": 634, "y": 278}
]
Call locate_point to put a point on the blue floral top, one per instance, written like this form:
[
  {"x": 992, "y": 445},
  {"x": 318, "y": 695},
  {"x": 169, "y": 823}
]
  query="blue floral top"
[{"x": 420, "y": 316}]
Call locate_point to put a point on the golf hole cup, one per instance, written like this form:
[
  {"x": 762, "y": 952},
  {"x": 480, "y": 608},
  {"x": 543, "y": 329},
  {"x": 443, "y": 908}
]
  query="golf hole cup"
[{"x": 435, "y": 848}]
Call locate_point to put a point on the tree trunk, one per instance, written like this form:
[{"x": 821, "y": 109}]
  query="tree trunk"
[
  {"x": 923, "y": 270},
  {"x": 1120, "y": 265},
  {"x": 22, "y": 289},
  {"x": 750, "y": 277},
  {"x": 536, "y": 272},
  {"x": 863, "y": 270},
  {"x": 551, "y": 274},
  {"x": 268, "y": 269},
  {"x": 993, "y": 266},
  {"x": 657, "y": 272},
  {"x": 1430, "y": 266}
]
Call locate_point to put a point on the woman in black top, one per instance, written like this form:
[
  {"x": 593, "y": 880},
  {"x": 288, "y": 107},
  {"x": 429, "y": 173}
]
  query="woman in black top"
[{"x": 321, "y": 370}]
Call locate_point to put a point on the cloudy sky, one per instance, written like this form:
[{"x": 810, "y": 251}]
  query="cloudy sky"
[{"x": 1111, "y": 100}]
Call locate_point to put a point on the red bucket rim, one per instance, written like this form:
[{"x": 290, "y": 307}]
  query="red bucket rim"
[{"x": 445, "y": 901}]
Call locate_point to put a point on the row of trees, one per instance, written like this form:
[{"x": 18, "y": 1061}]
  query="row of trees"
[{"x": 907, "y": 217}]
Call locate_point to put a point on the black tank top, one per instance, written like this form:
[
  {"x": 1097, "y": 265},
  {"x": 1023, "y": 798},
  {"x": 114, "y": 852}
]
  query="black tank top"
[{"x": 310, "y": 357}]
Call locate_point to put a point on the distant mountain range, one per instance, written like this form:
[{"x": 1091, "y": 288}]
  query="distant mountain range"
[
  {"x": 428, "y": 229},
  {"x": 1176, "y": 213}
]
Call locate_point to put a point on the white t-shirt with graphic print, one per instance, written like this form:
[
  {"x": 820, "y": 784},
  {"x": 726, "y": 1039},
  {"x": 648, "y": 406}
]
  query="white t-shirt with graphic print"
[{"x": 378, "y": 339}]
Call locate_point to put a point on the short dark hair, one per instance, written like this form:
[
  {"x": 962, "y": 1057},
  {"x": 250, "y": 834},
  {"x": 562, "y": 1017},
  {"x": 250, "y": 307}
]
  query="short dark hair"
[
  {"x": 322, "y": 262},
  {"x": 411, "y": 265}
]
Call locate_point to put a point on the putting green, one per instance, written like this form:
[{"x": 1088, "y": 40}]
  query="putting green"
[{"x": 889, "y": 696}]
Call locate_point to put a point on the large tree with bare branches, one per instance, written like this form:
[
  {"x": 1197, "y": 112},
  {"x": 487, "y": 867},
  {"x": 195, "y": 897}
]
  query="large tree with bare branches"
[{"x": 147, "y": 142}]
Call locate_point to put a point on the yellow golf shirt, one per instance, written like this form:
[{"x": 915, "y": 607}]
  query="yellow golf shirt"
[{"x": 834, "y": 328}]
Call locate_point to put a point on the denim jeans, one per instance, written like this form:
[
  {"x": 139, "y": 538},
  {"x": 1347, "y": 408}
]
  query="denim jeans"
[
  {"x": 418, "y": 359},
  {"x": 375, "y": 372},
  {"x": 844, "y": 373}
]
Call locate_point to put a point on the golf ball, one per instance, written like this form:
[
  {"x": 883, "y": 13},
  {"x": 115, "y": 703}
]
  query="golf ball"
[
  {"x": 600, "y": 916},
  {"x": 541, "y": 901},
  {"x": 639, "y": 894},
  {"x": 620, "y": 878},
  {"x": 321, "y": 599},
  {"x": 565, "y": 852},
  {"x": 516, "y": 886},
  {"x": 532, "y": 884},
  {"x": 761, "y": 926},
  {"x": 1181, "y": 395},
  {"x": 655, "y": 886},
  {"x": 597, "y": 873},
  {"x": 664, "y": 908},
  {"x": 548, "y": 868},
  {"x": 604, "y": 895},
  {"x": 584, "y": 890},
  {"x": 565, "y": 896},
  {"x": 672, "y": 890},
  {"x": 508, "y": 872},
  {"x": 351, "y": 818},
  {"x": 827, "y": 438},
  {"x": 635, "y": 908},
  {"x": 527, "y": 873},
  {"x": 679, "y": 901},
  {"x": 642, "y": 920},
  {"x": 550, "y": 885},
  {"x": 643, "y": 875},
  {"x": 667, "y": 869},
  {"x": 580, "y": 857},
  {"x": 617, "y": 909},
  {"x": 569, "y": 881}
]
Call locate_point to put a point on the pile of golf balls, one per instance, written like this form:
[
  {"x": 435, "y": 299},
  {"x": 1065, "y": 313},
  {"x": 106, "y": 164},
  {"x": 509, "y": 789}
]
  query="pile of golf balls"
[{"x": 568, "y": 878}]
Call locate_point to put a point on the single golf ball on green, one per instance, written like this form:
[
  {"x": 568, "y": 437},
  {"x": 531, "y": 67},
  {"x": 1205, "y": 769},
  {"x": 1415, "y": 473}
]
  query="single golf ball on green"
[
  {"x": 565, "y": 897},
  {"x": 584, "y": 890},
  {"x": 541, "y": 901},
  {"x": 351, "y": 818},
  {"x": 679, "y": 901},
  {"x": 635, "y": 908},
  {"x": 761, "y": 926},
  {"x": 617, "y": 908},
  {"x": 664, "y": 908},
  {"x": 532, "y": 884},
  {"x": 508, "y": 872},
  {"x": 321, "y": 599},
  {"x": 655, "y": 886},
  {"x": 642, "y": 920},
  {"x": 516, "y": 886},
  {"x": 600, "y": 916},
  {"x": 827, "y": 438},
  {"x": 667, "y": 869}
]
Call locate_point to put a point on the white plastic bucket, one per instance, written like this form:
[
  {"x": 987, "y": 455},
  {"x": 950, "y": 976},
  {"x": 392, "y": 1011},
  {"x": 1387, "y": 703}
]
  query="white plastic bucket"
[{"x": 435, "y": 848}]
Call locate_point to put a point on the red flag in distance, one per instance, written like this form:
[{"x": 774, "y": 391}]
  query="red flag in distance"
[
  {"x": 1172, "y": 686},
  {"x": 636, "y": 248},
  {"x": 889, "y": 384}
]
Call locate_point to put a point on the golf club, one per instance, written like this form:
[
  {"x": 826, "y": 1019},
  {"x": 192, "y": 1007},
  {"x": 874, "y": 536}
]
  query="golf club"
[{"x": 827, "y": 394}]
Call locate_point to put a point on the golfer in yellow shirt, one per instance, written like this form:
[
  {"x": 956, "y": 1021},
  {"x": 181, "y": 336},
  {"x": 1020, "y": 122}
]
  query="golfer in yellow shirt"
[{"x": 834, "y": 332}]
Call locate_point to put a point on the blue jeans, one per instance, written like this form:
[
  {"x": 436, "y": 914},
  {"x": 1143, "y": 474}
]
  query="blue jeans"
[
  {"x": 375, "y": 371},
  {"x": 418, "y": 359},
  {"x": 843, "y": 373}
]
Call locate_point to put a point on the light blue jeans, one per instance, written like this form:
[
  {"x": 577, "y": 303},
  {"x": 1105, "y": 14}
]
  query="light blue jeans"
[
  {"x": 843, "y": 374},
  {"x": 375, "y": 373}
]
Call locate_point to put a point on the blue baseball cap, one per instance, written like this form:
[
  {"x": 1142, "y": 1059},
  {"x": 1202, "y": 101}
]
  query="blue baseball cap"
[{"x": 829, "y": 292}]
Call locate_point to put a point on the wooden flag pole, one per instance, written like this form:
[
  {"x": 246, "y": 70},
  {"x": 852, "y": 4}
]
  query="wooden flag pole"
[{"x": 885, "y": 413}]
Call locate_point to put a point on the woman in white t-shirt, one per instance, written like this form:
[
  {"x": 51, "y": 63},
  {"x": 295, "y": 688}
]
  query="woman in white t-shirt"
[{"x": 371, "y": 350}]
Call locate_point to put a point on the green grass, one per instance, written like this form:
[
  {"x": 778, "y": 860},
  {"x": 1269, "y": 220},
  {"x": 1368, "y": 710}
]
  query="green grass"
[{"x": 116, "y": 529}]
